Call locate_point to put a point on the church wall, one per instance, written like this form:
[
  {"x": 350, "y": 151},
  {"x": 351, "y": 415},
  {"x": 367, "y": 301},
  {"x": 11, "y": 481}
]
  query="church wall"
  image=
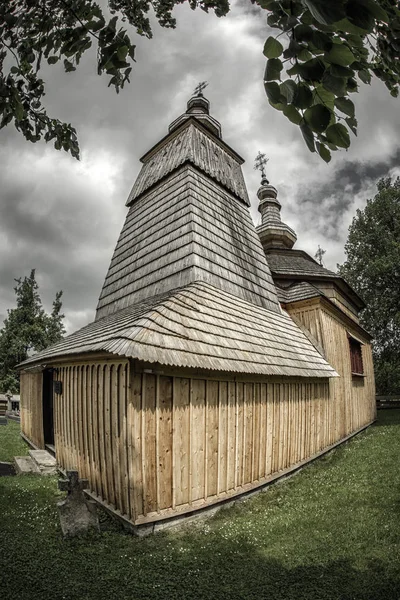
[
  {"x": 155, "y": 445},
  {"x": 31, "y": 407},
  {"x": 354, "y": 395}
]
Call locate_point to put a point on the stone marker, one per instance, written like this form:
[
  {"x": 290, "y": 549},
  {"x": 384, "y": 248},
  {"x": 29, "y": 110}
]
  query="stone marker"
[{"x": 77, "y": 514}]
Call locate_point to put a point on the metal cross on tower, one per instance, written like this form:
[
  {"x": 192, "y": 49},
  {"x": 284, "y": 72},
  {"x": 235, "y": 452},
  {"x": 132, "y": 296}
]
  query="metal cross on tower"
[
  {"x": 319, "y": 254},
  {"x": 259, "y": 165},
  {"x": 198, "y": 90}
]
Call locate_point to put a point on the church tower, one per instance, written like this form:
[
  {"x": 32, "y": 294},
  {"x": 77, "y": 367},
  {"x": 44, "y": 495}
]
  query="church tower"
[{"x": 188, "y": 221}]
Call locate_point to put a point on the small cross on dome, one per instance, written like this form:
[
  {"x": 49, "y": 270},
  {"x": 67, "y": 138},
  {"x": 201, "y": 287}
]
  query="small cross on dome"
[
  {"x": 259, "y": 165},
  {"x": 198, "y": 90}
]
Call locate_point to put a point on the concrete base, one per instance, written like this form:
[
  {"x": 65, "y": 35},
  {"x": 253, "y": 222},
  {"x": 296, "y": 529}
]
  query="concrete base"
[
  {"x": 24, "y": 465},
  {"x": 45, "y": 462}
]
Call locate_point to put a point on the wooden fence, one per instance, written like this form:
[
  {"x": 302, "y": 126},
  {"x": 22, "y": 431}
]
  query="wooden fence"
[{"x": 388, "y": 401}]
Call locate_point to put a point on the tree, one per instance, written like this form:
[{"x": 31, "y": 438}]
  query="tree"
[
  {"x": 328, "y": 47},
  {"x": 372, "y": 267},
  {"x": 27, "y": 328}
]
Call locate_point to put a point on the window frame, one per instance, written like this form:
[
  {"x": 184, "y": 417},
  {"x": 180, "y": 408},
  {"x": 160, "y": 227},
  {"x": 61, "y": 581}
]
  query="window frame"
[{"x": 356, "y": 357}]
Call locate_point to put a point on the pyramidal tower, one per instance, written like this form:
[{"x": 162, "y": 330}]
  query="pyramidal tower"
[{"x": 188, "y": 221}]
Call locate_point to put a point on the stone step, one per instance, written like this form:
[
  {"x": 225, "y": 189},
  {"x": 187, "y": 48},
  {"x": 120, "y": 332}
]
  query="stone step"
[
  {"x": 45, "y": 462},
  {"x": 24, "y": 465}
]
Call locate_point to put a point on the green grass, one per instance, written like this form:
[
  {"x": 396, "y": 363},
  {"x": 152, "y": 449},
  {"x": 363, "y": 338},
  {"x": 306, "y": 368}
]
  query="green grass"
[
  {"x": 11, "y": 443},
  {"x": 330, "y": 533}
]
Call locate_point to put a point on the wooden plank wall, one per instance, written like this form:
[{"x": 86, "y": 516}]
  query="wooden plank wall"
[
  {"x": 31, "y": 392},
  {"x": 90, "y": 427},
  {"x": 354, "y": 396},
  {"x": 156, "y": 445},
  {"x": 200, "y": 440}
]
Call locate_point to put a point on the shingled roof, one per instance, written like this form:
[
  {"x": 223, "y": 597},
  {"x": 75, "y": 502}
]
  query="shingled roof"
[
  {"x": 298, "y": 291},
  {"x": 297, "y": 263},
  {"x": 199, "y": 326}
]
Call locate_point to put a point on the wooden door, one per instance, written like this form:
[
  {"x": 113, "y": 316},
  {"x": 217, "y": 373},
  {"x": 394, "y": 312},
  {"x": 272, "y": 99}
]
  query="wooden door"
[{"x": 48, "y": 408}]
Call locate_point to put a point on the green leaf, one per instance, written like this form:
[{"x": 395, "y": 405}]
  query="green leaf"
[
  {"x": 340, "y": 54},
  {"x": 312, "y": 70},
  {"x": 308, "y": 136},
  {"x": 337, "y": 134},
  {"x": 19, "y": 110},
  {"x": 323, "y": 96},
  {"x": 318, "y": 117},
  {"x": 303, "y": 98},
  {"x": 277, "y": 105},
  {"x": 352, "y": 124},
  {"x": 293, "y": 70},
  {"x": 321, "y": 40},
  {"x": 304, "y": 55},
  {"x": 356, "y": 41},
  {"x": 347, "y": 26},
  {"x": 345, "y": 105},
  {"x": 325, "y": 12},
  {"x": 360, "y": 15},
  {"x": 53, "y": 59},
  {"x": 122, "y": 53},
  {"x": 273, "y": 92},
  {"x": 68, "y": 66},
  {"x": 303, "y": 33},
  {"x": 336, "y": 85},
  {"x": 352, "y": 85},
  {"x": 273, "y": 69},
  {"x": 365, "y": 76},
  {"x": 292, "y": 114},
  {"x": 323, "y": 152},
  {"x": 375, "y": 9},
  {"x": 339, "y": 71},
  {"x": 272, "y": 48},
  {"x": 288, "y": 90}
]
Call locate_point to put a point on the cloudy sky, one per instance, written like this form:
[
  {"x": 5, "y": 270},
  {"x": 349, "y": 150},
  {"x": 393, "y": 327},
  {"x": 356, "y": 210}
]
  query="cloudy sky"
[{"x": 63, "y": 217}]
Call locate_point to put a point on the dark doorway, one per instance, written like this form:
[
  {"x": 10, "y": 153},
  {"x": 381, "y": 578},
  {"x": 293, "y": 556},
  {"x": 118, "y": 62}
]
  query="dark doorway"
[{"x": 48, "y": 396}]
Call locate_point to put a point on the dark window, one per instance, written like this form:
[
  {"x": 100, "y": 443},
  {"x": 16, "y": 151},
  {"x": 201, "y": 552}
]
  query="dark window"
[{"x": 356, "y": 357}]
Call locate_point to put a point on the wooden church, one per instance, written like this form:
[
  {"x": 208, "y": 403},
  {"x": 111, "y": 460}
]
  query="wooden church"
[{"x": 220, "y": 357}]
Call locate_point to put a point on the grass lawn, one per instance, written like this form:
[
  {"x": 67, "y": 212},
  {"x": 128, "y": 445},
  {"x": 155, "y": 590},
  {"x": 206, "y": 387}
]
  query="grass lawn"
[
  {"x": 330, "y": 533},
  {"x": 11, "y": 443}
]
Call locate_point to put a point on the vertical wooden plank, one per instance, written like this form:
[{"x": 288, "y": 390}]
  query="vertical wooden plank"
[
  {"x": 125, "y": 446},
  {"x": 116, "y": 419},
  {"x": 212, "y": 437},
  {"x": 90, "y": 451},
  {"x": 181, "y": 439},
  {"x": 263, "y": 430},
  {"x": 79, "y": 421},
  {"x": 136, "y": 459},
  {"x": 108, "y": 450},
  {"x": 85, "y": 452},
  {"x": 248, "y": 446},
  {"x": 149, "y": 443},
  {"x": 277, "y": 422},
  {"x": 165, "y": 442},
  {"x": 198, "y": 447},
  {"x": 270, "y": 429},
  {"x": 97, "y": 401},
  {"x": 256, "y": 432},
  {"x": 74, "y": 418},
  {"x": 232, "y": 436},
  {"x": 101, "y": 434},
  {"x": 222, "y": 436},
  {"x": 70, "y": 418}
]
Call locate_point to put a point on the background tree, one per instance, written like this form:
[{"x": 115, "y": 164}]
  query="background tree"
[
  {"x": 328, "y": 47},
  {"x": 27, "y": 328},
  {"x": 373, "y": 269}
]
